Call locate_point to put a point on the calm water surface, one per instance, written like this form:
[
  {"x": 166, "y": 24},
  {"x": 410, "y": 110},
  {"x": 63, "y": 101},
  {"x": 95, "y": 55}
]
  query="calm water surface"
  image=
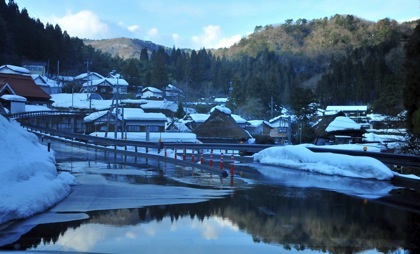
[{"x": 263, "y": 216}]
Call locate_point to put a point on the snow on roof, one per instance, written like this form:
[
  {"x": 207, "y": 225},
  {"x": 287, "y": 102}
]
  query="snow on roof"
[
  {"x": 12, "y": 69},
  {"x": 342, "y": 123},
  {"x": 160, "y": 104},
  {"x": 78, "y": 101},
  {"x": 151, "y": 89},
  {"x": 139, "y": 114},
  {"x": 199, "y": 118},
  {"x": 12, "y": 97},
  {"x": 238, "y": 119},
  {"x": 111, "y": 81},
  {"x": 89, "y": 74},
  {"x": 45, "y": 81},
  {"x": 346, "y": 108},
  {"x": 220, "y": 100},
  {"x": 256, "y": 123},
  {"x": 95, "y": 115},
  {"x": 223, "y": 109}
]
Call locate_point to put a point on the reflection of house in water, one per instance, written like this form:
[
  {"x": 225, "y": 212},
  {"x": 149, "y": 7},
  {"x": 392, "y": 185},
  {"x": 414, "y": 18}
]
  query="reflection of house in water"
[
  {"x": 129, "y": 120},
  {"x": 337, "y": 129}
]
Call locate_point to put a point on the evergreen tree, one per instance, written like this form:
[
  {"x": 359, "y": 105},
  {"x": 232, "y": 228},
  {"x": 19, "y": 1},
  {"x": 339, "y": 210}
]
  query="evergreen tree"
[{"x": 412, "y": 82}]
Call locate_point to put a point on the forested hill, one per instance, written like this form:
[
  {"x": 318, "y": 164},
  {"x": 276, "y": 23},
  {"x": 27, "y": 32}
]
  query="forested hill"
[
  {"x": 340, "y": 60},
  {"x": 123, "y": 47}
]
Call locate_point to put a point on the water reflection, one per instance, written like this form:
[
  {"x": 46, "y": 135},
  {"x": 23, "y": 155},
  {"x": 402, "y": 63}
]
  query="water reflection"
[{"x": 266, "y": 218}]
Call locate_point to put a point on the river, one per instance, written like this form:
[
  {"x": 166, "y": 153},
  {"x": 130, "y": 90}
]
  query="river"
[{"x": 154, "y": 207}]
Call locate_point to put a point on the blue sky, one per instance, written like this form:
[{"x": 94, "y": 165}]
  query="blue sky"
[{"x": 198, "y": 23}]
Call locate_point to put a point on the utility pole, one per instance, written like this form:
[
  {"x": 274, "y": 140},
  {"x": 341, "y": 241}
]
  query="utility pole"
[
  {"x": 271, "y": 107},
  {"x": 87, "y": 65}
]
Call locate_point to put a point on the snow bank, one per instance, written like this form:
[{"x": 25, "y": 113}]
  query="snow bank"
[
  {"x": 29, "y": 183},
  {"x": 299, "y": 157}
]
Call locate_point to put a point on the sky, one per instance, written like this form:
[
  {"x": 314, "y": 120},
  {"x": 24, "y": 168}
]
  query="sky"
[{"x": 199, "y": 24}]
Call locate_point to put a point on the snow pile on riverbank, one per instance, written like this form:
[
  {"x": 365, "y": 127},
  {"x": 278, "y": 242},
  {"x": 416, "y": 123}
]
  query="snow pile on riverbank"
[
  {"x": 301, "y": 158},
  {"x": 29, "y": 183}
]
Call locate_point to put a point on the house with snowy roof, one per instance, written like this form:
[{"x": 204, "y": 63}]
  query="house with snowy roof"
[
  {"x": 48, "y": 85},
  {"x": 173, "y": 93},
  {"x": 14, "y": 103},
  {"x": 16, "y": 80},
  {"x": 194, "y": 120},
  {"x": 128, "y": 120},
  {"x": 281, "y": 126},
  {"x": 357, "y": 113},
  {"x": 107, "y": 88},
  {"x": 337, "y": 129},
  {"x": 221, "y": 127},
  {"x": 151, "y": 93}
]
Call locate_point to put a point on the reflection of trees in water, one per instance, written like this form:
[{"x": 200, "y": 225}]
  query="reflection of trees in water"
[
  {"x": 44, "y": 233},
  {"x": 315, "y": 220}
]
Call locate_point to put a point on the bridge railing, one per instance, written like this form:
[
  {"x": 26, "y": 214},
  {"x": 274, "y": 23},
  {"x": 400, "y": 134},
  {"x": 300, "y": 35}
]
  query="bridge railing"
[
  {"x": 42, "y": 113},
  {"x": 386, "y": 158}
]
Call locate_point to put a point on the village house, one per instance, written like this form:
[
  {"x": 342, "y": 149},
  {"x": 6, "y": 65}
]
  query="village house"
[
  {"x": 281, "y": 129},
  {"x": 173, "y": 93},
  {"x": 194, "y": 120},
  {"x": 151, "y": 93},
  {"x": 337, "y": 129},
  {"x": 356, "y": 113},
  {"x": 128, "y": 120},
  {"x": 13, "y": 103},
  {"x": 16, "y": 80},
  {"x": 221, "y": 127},
  {"x": 107, "y": 88},
  {"x": 48, "y": 85}
]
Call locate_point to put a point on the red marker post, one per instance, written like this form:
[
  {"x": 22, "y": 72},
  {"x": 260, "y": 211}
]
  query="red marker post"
[{"x": 221, "y": 161}]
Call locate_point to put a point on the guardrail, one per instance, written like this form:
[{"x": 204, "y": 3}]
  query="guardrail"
[
  {"x": 43, "y": 113},
  {"x": 386, "y": 158}
]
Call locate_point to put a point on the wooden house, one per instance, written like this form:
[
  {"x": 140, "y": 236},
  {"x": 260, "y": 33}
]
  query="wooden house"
[
  {"x": 357, "y": 113},
  {"x": 281, "y": 126},
  {"x": 337, "y": 129},
  {"x": 128, "y": 120},
  {"x": 220, "y": 127},
  {"x": 152, "y": 93},
  {"x": 18, "y": 81},
  {"x": 107, "y": 88},
  {"x": 48, "y": 85}
]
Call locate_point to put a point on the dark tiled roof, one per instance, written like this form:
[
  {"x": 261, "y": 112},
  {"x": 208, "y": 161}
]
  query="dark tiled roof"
[{"x": 24, "y": 86}]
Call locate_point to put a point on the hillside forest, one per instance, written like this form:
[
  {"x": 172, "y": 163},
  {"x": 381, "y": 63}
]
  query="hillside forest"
[{"x": 298, "y": 64}]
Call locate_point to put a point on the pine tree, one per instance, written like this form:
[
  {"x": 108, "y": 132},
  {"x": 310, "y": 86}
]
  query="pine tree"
[{"x": 412, "y": 82}]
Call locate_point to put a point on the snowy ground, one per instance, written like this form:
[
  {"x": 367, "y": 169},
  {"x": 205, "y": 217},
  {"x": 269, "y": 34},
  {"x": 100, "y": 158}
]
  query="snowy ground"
[
  {"x": 29, "y": 182},
  {"x": 301, "y": 158}
]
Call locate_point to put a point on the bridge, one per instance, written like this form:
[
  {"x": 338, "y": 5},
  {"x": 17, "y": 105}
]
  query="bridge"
[{"x": 238, "y": 150}]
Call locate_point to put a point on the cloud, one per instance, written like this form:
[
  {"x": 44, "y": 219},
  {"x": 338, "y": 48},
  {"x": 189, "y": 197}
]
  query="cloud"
[
  {"x": 83, "y": 24},
  {"x": 153, "y": 32},
  {"x": 133, "y": 28},
  {"x": 212, "y": 37},
  {"x": 227, "y": 42}
]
